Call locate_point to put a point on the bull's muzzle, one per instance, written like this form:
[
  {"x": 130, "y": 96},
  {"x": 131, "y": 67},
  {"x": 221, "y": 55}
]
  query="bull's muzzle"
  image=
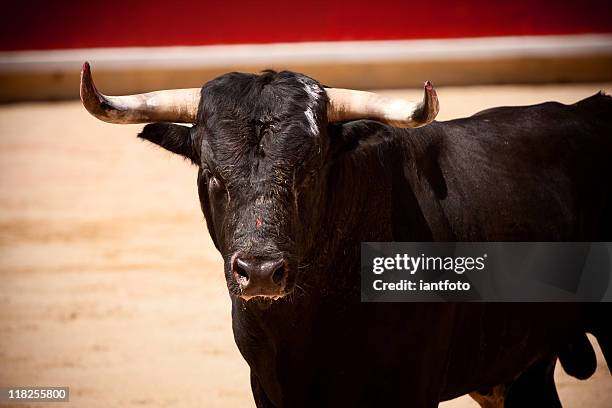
[{"x": 260, "y": 277}]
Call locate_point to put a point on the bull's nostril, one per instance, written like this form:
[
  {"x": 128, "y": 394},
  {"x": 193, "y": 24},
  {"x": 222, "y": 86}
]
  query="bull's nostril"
[
  {"x": 279, "y": 274},
  {"x": 240, "y": 272}
]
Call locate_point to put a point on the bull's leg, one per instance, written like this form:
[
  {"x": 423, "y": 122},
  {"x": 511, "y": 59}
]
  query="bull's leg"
[
  {"x": 578, "y": 357},
  {"x": 535, "y": 387},
  {"x": 597, "y": 318}
]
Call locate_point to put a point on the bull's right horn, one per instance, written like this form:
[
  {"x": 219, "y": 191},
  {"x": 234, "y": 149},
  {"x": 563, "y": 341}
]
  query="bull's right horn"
[
  {"x": 347, "y": 104},
  {"x": 175, "y": 105}
]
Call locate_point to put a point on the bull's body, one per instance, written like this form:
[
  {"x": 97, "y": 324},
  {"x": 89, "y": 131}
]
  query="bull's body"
[
  {"x": 538, "y": 173},
  {"x": 289, "y": 192}
]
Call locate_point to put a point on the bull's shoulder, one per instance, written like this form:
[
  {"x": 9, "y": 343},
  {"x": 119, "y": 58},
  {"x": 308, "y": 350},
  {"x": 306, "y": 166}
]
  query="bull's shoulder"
[
  {"x": 500, "y": 142},
  {"x": 544, "y": 128}
]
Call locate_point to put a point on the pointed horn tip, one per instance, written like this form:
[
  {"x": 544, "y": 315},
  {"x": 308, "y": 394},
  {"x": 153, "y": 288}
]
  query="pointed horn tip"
[
  {"x": 430, "y": 92},
  {"x": 86, "y": 87},
  {"x": 429, "y": 89},
  {"x": 431, "y": 105},
  {"x": 90, "y": 97}
]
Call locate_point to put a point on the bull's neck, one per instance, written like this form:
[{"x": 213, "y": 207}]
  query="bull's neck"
[{"x": 369, "y": 199}]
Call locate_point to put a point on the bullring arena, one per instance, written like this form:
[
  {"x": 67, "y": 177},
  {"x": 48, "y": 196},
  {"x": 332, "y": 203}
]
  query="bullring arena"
[{"x": 110, "y": 283}]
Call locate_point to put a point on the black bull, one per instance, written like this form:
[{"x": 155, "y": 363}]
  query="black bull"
[{"x": 277, "y": 181}]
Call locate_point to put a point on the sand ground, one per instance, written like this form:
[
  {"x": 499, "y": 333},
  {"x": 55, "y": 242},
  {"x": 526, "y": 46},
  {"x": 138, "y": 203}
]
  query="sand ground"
[{"x": 109, "y": 282}]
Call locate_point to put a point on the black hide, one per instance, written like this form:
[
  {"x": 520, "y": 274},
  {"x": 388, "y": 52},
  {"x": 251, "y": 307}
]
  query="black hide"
[{"x": 276, "y": 179}]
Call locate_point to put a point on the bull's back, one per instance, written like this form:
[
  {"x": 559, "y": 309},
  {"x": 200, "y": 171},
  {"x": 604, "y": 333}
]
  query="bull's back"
[{"x": 539, "y": 172}]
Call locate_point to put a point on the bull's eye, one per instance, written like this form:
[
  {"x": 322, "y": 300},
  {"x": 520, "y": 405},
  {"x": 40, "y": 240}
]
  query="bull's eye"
[
  {"x": 214, "y": 182},
  {"x": 217, "y": 194}
]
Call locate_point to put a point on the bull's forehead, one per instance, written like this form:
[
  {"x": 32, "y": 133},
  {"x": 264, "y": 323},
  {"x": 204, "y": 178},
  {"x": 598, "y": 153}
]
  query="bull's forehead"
[
  {"x": 261, "y": 127},
  {"x": 273, "y": 161},
  {"x": 270, "y": 96}
]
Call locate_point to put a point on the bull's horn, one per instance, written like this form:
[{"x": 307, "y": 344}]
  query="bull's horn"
[
  {"x": 175, "y": 105},
  {"x": 346, "y": 104}
]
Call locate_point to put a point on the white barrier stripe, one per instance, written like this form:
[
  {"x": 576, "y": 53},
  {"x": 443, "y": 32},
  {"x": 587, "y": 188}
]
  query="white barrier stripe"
[{"x": 309, "y": 53}]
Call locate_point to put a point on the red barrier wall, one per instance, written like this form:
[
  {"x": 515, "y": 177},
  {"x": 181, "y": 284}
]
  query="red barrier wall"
[{"x": 26, "y": 24}]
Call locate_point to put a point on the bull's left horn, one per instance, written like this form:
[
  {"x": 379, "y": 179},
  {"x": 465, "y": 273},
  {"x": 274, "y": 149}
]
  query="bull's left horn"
[
  {"x": 347, "y": 104},
  {"x": 175, "y": 105}
]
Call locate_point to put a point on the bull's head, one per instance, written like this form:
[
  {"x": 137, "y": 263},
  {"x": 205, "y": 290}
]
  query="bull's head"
[{"x": 262, "y": 148}]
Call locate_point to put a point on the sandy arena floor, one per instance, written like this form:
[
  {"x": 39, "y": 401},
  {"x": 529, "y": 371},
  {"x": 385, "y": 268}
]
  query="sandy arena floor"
[{"x": 109, "y": 282}]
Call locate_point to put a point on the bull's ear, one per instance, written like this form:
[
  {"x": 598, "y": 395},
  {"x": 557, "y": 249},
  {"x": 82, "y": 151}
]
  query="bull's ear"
[
  {"x": 357, "y": 135},
  {"x": 175, "y": 138}
]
